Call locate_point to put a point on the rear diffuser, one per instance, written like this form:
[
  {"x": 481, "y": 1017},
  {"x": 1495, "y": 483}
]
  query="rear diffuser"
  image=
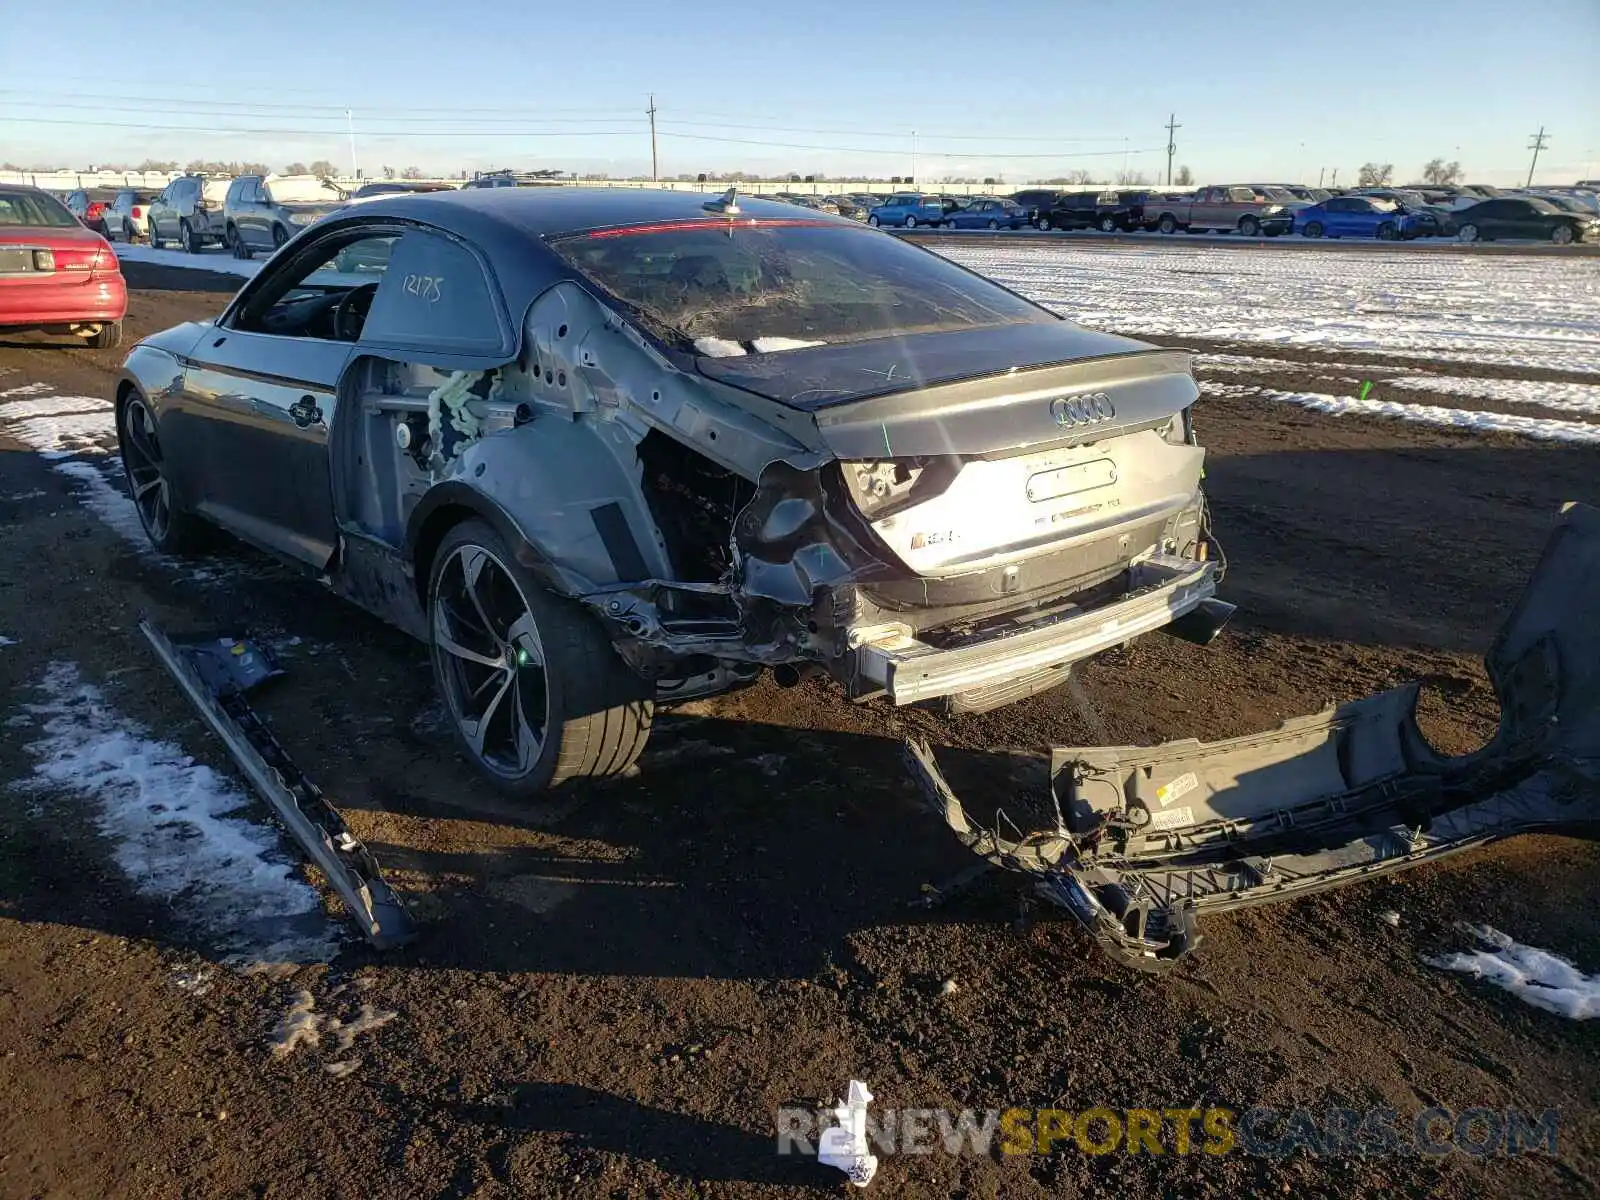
[
  {"x": 215, "y": 675},
  {"x": 1141, "y": 842}
]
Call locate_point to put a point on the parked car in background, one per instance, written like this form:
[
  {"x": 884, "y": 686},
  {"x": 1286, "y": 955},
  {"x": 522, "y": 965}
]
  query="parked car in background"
[
  {"x": 127, "y": 217},
  {"x": 396, "y": 187},
  {"x": 1036, "y": 200},
  {"x": 1358, "y": 216},
  {"x": 56, "y": 275},
  {"x": 1069, "y": 210},
  {"x": 988, "y": 212},
  {"x": 89, "y": 204},
  {"x": 847, "y": 206},
  {"x": 1523, "y": 217},
  {"x": 1583, "y": 204},
  {"x": 1233, "y": 209},
  {"x": 189, "y": 212},
  {"x": 1311, "y": 195},
  {"x": 1433, "y": 220},
  {"x": 1124, "y": 211},
  {"x": 263, "y": 212},
  {"x": 908, "y": 210}
]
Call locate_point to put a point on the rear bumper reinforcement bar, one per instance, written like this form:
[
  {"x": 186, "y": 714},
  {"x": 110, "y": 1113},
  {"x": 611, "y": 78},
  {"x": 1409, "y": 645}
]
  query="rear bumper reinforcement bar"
[{"x": 1162, "y": 588}]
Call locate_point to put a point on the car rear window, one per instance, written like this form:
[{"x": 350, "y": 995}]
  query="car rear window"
[
  {"x": 30, "y": 208},
  {"x": 721, "y": 289}
]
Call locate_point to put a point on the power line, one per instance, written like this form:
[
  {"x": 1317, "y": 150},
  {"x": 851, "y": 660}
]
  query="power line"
[
  {"x": 416, "y": 133},
  {"x": 229, "y": 110},
  {"x": 696, "y": 137}
]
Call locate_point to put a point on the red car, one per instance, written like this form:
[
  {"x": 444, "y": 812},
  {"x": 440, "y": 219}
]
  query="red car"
[{"x": 55, "y": 275}]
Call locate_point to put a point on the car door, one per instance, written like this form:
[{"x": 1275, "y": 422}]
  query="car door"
[
  {"x": 259, "y": 394},
  {"x": 1523, "y": 220},
  {"x": 158, "y": 210}
]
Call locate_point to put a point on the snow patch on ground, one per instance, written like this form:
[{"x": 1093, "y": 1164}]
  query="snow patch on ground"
[
  {"x": 177, "y": 828},
  {"x": 302, "y": 1025},
  {"x": 1563, "y": 397},
  {"x": 1525, "y": 311},
  {"x": 1549, "y": 430},
  {"x": 108, "y": 503},
  {"x": 1544, "y": 980},
  {"x": 219, "y": 260}
]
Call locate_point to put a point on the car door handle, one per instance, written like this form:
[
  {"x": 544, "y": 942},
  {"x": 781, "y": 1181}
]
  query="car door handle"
[{"x": 305, "y": 412}]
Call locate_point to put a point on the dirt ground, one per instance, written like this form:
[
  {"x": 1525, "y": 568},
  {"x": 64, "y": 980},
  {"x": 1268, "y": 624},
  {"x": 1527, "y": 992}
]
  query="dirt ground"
[{"x": 615, "y": 991}]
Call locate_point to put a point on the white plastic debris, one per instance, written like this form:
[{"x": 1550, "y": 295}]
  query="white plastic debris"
[
  {"x": 844, "y": 1146},
  {"x": 1542, "y": 979},
  {"x": 1390, "y": 917},
  {"x": 771, "y": 345},
  {"x": 715, "y": 347}
]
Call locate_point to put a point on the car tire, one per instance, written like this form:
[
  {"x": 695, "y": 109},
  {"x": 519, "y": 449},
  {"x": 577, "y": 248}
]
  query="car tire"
[
  {"x": 993, "y": 224},
  {"x": 1168, "y": 223},
  {"x": 1108, "y": 224},
  {"x": 236, "y": 243},
  {"x": 127, "y": 232},
  {"x": 189, "y": 239},
  {"x": 873, "y": 221},
  {"x": 1388, "y": 232},
  {"x": 107, "y": 337},
  {"x": 1467, "y": 233},
  {"x": 909, "y": 223},
  {"x": 170, "y": 528},
  {"x": 1313, "y": 229},
  {"x": 594, "y": 711},
  {"x": 1249, "y": 226},
  {"x": 280, "y": 235},
  {"x": 155, "y": 238},
  {"x": 1562, "y": 235},
  {"x": 1043, "y": 224}
]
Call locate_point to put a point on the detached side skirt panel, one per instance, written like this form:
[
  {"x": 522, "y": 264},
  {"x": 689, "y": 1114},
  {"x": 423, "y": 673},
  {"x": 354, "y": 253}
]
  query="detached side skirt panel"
[{"x": 1145, "y": 841}]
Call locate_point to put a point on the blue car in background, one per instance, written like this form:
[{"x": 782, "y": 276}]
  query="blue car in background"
[
  {"x": 911, "y": 209},
  {"x": 988, "y": 212},
  {"x": 1357, "y": 216}
]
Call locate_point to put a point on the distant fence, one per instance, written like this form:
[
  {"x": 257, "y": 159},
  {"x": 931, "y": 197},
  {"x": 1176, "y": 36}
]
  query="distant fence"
[{"x": 69, "y": 181}]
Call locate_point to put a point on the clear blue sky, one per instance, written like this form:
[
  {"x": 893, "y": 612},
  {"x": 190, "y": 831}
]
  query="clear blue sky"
[{"x": 1263, "y": 90}]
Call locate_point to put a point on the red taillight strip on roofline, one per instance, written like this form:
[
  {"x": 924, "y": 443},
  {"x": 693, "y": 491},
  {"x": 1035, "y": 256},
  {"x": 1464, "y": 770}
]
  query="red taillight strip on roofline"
[{"x": 717, "y": 223}]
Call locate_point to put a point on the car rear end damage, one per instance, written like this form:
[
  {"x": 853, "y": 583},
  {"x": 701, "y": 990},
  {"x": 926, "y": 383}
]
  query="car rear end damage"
[{"x": 1140, "y": 843}]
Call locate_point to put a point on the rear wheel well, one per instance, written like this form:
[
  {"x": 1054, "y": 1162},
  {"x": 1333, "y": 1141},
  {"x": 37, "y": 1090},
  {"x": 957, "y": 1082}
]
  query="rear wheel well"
[{"x": 434, "y": 529}]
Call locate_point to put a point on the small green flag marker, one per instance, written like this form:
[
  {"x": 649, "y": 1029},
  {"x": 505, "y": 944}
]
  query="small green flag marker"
[{"x": 1365, "y": 388}]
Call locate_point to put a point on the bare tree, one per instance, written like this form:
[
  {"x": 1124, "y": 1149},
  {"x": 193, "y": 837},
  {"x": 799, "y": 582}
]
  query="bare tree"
[
  {"x": 297, "y": 168},
  {"x": 1078, "y": 176},
  {"x": 323, "y": 168},
  {"x": 151, "y": 164},
  {"x": 411, "y": 173},
  {"x": 1375, "y": 174},
  {"x": 1439, "y": 171},
  {"x": 1184, "y": 177},
  {"x": 1137, "y": 178}
]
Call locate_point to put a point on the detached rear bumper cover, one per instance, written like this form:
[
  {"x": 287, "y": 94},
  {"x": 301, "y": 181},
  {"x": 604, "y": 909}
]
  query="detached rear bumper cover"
[
  {"x": 1163, "y": 589},
  {"x": 1147, "y": 840}
]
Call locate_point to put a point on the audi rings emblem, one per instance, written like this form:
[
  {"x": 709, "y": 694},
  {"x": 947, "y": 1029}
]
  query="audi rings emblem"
[{"x": 1089, "y": 408}]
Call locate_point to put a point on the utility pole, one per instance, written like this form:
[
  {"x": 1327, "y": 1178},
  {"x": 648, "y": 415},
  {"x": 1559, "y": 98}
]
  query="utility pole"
[
  {"x": 655, "y": 173},
  {"x": 1334, "y": 182},
  {"x": 1172, "y": 143},
  {"x": 350, "y": 124},
  {"x": 1321, "y": 171},
  {"x": 913, "y": 156},
  {"x": 1536, "y": 145}
]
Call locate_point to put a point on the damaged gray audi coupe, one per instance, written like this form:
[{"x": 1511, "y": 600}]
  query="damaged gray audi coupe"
[{"x": 605, "y": 449}]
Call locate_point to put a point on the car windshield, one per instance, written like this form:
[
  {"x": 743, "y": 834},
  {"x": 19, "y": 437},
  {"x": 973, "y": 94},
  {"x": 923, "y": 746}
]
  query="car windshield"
[
  {"x": 783, "y": 284},
  {"x": 30, "y": 208}
]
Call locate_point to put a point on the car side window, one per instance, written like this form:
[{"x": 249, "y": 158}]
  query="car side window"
[
  {"x": 1241, "y": 195},
  {"x": 436, "y": 296},
  {"x": 328, "y": 298}
]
